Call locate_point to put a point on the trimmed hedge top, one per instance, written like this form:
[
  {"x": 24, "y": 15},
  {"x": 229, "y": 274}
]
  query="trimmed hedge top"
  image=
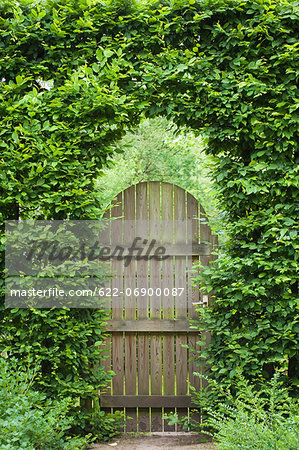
[{"x": 76, "y": 75}]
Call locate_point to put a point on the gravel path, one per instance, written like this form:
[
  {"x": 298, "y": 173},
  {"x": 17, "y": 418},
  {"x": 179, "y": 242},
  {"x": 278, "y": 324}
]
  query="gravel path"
[{"x": 173, "y": 441}]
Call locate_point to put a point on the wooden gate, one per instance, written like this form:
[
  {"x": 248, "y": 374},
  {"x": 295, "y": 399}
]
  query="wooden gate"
[{"x": 146, "y": 339}]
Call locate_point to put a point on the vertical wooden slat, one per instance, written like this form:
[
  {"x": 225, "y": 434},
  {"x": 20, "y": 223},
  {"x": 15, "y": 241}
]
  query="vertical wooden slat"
[
  {"x": 106, "y": 363},
  {"x": 181, "y": 301},
  {"x": 205, "y": 236},
  {"x": 130, "y": 307},
  {"x": 117, "y": 302},
  {"x": 155, "y": 306},
  {"x": 193, "y": 297},
  {"x": 142, "y": 307},
  {"x": 168, "y": 300}
]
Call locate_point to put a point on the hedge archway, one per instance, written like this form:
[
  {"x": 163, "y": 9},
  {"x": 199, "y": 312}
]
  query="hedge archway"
[{"x": 76, "y": 75}]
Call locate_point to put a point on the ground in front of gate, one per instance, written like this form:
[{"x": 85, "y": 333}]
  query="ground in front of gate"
[{"x": 173, "y": 441}]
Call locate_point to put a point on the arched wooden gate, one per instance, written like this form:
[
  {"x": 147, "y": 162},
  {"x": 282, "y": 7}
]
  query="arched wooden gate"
[{"x": 146, "y": 341}]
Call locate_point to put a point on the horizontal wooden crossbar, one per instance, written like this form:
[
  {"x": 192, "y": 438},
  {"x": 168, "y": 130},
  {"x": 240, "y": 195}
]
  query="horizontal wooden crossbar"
[
  {"x": 146, "y": 401},
  {"x": 150, "y": 325}
]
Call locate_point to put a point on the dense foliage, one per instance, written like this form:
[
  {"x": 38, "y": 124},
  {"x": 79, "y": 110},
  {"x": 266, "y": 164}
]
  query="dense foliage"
[
  {"x": 62, "y": 343},
  {"x": 259, "y": 416},
  {"x": 28, "y": 420},
  {"x": 75, "y": 75},
  {"x": 260, "y": 419}
]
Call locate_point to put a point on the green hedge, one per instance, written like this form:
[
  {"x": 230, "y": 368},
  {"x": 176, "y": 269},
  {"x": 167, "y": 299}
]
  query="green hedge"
[
  {"x": 77, "y": 75},
  {"x": 28, "y": 420}
]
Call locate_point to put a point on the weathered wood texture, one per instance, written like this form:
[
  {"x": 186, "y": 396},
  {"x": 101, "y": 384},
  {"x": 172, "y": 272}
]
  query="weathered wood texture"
[
  {"x": 151, "y": 325},
  {"x": 152, "y": 401},
  {"x": 148, "y": 333}
]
